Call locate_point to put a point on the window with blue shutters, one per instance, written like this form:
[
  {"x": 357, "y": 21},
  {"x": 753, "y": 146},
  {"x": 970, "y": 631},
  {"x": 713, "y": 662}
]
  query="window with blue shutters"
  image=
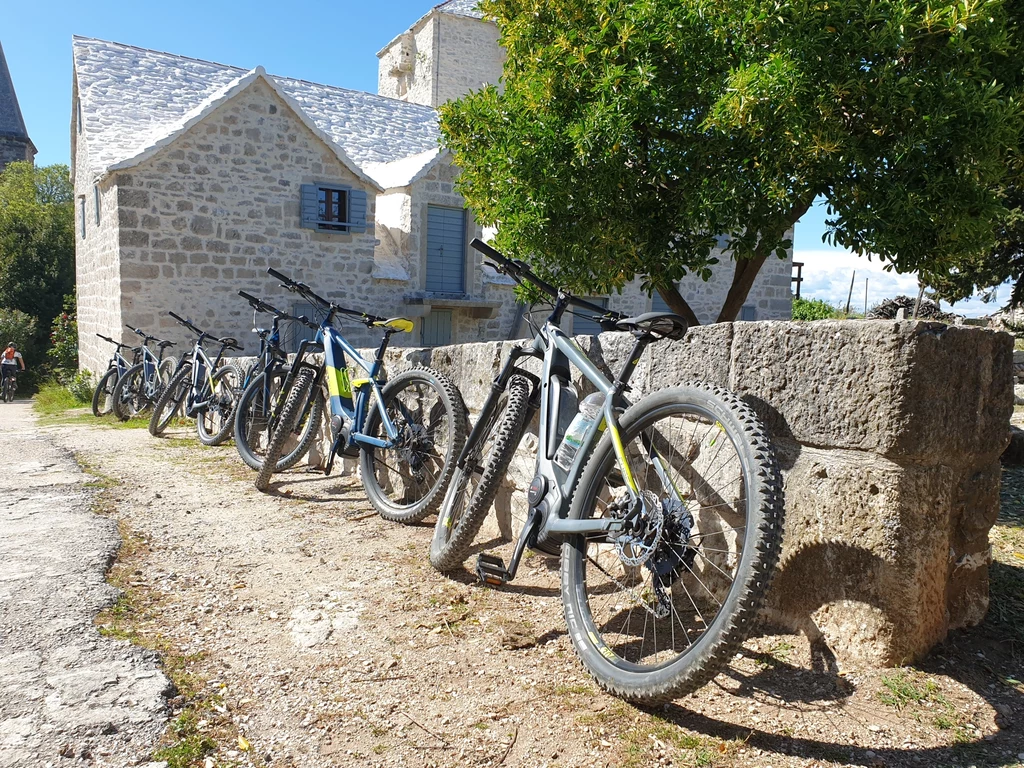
[
  {"x": 437, "y": 328},
  {"x": 748, "y": 313},
  {"x": 333, "y": 208},
  {"x": 446, "y": 250},
  {"x": 658, "y": 304}
]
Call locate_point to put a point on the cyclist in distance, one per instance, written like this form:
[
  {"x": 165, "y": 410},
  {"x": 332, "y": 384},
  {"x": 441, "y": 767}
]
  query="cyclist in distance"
[{"x": 9, "y": 362}]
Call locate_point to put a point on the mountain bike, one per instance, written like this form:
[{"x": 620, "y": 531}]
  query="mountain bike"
[
  {"x": 10, "y": 384},
  {"x": 103, "y": 396},
  {"x": 142, "y": 384},
  {"x": 667, "y": 513},
  {"x": 406, "y": 431},
  {"x": 260, "y": 399},
  {"x": 202, "y": 388}
]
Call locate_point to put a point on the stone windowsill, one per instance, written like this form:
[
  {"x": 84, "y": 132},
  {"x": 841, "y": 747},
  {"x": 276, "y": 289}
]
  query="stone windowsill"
[{"x": 422, "y": 302}]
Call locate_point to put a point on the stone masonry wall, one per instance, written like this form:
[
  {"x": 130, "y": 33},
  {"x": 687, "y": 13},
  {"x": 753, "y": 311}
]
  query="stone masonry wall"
[
  {"x": 406, "y": 68},
  {"x": 207, "y": 215},
  {"x": 889, "y": 436},
  {"x": 97, "y": 266},
  {"x": 468, "y": 56}
]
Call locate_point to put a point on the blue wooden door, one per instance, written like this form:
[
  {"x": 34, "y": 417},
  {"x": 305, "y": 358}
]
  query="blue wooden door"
[{"x": 446, "y": 250}]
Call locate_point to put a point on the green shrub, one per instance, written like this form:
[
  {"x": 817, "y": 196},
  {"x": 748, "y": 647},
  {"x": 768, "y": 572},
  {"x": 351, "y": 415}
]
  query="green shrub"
[
  {"x": 20, "y": 328},
  {"x": 81, "y": 386},
  {"x": 813, "y": 309},
  {"x": 63, "y": 350}
]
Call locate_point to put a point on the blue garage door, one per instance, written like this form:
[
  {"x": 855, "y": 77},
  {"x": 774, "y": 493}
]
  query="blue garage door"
[{"x": 446, "y": 249}]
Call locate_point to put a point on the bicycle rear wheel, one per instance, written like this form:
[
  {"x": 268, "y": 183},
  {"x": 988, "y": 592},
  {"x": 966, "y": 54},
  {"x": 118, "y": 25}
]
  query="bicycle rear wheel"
[
  {"x": 406, "y": 483},
  {"x": 656, "y": 610}
]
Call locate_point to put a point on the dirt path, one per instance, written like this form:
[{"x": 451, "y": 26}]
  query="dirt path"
[
  {"x": 65, "y": 692},
  {"x": 306, "y": 631}
]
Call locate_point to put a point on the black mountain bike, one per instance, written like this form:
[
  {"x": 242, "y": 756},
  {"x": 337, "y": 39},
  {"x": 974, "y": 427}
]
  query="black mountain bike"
[
  {"x": 103, "y": 396},
  {"x": 406, "y": 431},
  {"x": 202, "y": 389},
  {"x": 142, "y": 384},
  {"x": 10, "y": 384},
  {"x": 667, "y": 512},
  {"x": 261, "y": 401}
]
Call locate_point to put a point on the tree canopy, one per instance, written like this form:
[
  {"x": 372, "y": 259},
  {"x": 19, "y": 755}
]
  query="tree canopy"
[
  {"x": 628, "y": 137},
  {"x": 37, "y": 240}
]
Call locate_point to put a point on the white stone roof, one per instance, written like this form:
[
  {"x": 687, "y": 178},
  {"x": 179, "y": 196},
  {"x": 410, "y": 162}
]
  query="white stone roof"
[
  {"x": 461, "y": 8},
  {"x": 134, "y": 100}
]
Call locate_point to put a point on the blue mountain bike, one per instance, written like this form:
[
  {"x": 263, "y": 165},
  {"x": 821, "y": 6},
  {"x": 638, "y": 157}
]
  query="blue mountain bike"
[
  {"x": 406, "y": 432},
  {"x": 261, "y": 390},
  {"x": 103, "y": 396}
]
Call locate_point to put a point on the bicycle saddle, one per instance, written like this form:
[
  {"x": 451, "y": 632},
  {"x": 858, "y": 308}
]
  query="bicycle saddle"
[
  {"x": 664, "y": 325},
  {"x": 399, "y": 324},
  {"x": 165, "y": 344}
]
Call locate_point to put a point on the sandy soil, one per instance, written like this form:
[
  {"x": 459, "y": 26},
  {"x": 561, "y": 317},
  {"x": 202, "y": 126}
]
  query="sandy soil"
[{"x": 309, "y": 632}]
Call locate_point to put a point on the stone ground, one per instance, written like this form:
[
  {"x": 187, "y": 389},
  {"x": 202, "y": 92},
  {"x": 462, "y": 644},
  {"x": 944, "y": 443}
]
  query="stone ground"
[
  {"x": 302, "y": 630},
  {"x": 65, "y": 692}
]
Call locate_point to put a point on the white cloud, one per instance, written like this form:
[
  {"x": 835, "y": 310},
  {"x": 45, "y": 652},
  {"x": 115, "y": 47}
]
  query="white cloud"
[{"x": 827, "y": 274}]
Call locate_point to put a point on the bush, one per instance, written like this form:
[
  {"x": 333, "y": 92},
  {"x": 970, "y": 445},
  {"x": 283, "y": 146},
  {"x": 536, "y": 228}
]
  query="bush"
[
  {"x": 81, "y": 386},
  {"x": 63, "y": 350},
  {"x": 813, "y": 309},
  {"x": 20, "y": 328}
]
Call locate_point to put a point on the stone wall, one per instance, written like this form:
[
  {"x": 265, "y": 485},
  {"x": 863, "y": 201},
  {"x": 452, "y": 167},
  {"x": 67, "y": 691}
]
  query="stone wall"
[
  {"x": 889, "y": 435},
  {"x": 442, "y": 57}
]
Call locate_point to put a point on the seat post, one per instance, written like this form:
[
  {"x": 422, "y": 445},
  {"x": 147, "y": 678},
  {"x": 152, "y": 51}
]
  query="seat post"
[{"x": 631, "y": 362}]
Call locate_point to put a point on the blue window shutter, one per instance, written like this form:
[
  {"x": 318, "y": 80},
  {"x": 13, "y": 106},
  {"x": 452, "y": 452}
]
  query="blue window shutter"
[
  {"x": 446, "y": 249},
  {"x": 357, "y": 210},
  {"x": 309, "y": 207}
]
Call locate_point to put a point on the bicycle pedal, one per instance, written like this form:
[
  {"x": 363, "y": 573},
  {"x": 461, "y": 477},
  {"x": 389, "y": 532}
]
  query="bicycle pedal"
[{"x": 491, "y": 570}]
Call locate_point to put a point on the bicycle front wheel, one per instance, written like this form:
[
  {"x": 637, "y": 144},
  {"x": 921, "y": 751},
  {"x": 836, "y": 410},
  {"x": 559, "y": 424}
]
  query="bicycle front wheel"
[
  {"x": 170, "y": 401},
  {"x": 252, "y": 424},
  {"x": 287, "y": 424},
  {"x": 657, "y": 609},
  {"x": 406, "y": 483},
  {"x": 214, "y": 422},
  {"x": 474, "y": 486},
  {"x": 129, "y": 397},
  {"x": 103, "y": 396}
]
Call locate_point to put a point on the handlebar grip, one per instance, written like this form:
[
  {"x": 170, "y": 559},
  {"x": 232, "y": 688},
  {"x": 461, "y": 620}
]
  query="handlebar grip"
[
  {"x": 179, "y": 318},
  {"x": 492, "y": 253},
  {"x": 283, "y": 278},
  {"x": 249, "y": 297}
]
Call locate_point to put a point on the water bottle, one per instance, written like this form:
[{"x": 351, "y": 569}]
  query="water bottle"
[{"x": 589, "y": 412}]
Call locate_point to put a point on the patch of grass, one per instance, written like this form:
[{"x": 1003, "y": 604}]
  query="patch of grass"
[
  {"x": 192, "y": 744},
  {"x": 53, "y": 399},
  {"x": 900, "y": 689},
  {"x": 645, "y": 742}
]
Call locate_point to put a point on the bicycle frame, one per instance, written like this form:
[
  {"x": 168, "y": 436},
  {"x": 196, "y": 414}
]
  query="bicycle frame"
[{"x": 202, "y": 377}]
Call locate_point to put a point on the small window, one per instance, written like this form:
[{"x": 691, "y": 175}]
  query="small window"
[
  {"x": 81, "y": 214},
  {"x": 748, "y": 313},
  {"x": 330, "y": 208},
  {"x": 97, "y": 199},
  {"x": 78, "y": 115},
  {"x": 437, "y": 328}
]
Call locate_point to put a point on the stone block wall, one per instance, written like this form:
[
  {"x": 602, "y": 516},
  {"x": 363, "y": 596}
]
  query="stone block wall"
[{"x": 889, "y": 436}]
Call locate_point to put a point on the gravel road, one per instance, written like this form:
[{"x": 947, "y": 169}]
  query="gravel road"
[{"x": 65, "y": 691}]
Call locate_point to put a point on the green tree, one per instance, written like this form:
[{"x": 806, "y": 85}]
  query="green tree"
[
  {"x": 37, "y": 240},
  {"x": 627, "y": 135}
]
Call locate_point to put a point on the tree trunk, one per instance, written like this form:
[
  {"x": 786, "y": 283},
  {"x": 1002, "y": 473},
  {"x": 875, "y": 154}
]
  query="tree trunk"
[
  {"x": 747, "y": 269},
  {"x": 678, "y": 304}
]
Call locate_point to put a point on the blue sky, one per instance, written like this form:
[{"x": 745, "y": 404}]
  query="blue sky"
[{"x": 299, "y": 41}]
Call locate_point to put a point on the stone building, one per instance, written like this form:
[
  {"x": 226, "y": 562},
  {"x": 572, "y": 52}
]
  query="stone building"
[
  {"x": 191, "y": 178},
  {"x": 15, "y": 144}
]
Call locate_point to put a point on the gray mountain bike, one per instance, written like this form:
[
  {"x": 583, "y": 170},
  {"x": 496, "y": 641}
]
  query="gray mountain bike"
[{"x": 667, "y": 513}]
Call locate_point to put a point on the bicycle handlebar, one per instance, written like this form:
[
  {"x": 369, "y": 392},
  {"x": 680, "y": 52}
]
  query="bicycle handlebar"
[
  {"x": 261, "y": 306},
  {"x": 226, "y": 342},
  {"x": 517, "y": 270},
  {"x": 306, "y": 292}
]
